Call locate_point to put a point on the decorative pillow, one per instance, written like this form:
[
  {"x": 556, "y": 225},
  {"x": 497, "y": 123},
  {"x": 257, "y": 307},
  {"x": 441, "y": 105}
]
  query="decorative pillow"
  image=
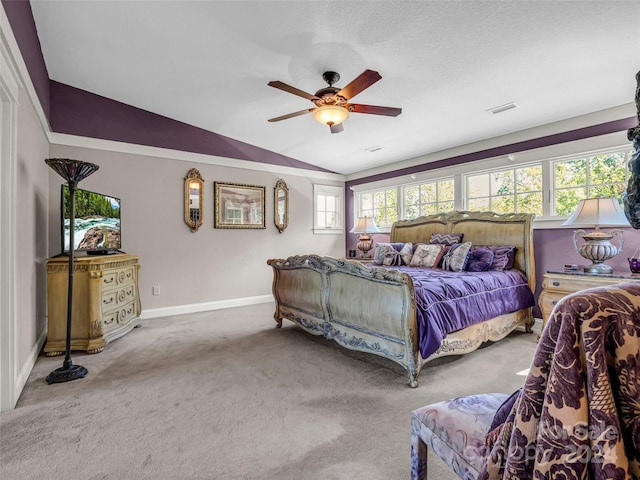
[
  {"x": 446, "y": 238},
  {"x": 480, "y": 259},
  {"x": 427, "y": 255},
  {"x": 457, "y": 257},
  {"x": 395, "y": 258},
  {"x": 503, "y": 257},
  {"x": 406, "y": 253},
  {"x": 382, "y": 249}
]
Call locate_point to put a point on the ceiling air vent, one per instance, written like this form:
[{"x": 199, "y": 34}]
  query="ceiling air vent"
[
  {"x": 502, "y": 108},
  {"x": 373, "y": 149}
]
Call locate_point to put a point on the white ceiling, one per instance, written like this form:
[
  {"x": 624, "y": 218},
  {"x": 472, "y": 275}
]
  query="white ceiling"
[{"x": 445, "y": 63}]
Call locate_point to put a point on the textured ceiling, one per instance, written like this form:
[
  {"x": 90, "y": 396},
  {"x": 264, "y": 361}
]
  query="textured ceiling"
[{"x": 207, "y": 63}]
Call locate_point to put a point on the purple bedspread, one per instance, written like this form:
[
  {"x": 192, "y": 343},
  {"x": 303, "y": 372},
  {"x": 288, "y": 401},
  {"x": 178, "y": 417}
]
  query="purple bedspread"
[{"x": 448, "y": 301}]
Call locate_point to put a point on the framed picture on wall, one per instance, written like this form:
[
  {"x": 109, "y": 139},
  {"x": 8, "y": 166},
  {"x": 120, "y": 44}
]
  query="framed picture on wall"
[{"x": 238, "y": 205}]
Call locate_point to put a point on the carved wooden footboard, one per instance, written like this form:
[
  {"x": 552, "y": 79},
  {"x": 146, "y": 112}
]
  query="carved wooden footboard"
[
  {"x": 367, "y": 309},
  {"x": 374, "y": 309}
]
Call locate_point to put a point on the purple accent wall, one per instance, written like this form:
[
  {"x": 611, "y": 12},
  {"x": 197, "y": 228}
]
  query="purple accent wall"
[
  {"x": 570, "y": 136},
  {"x": 24, "y": 29},
  {"x": 552, "y": 247},
  {"x": 78, "y": 112}
]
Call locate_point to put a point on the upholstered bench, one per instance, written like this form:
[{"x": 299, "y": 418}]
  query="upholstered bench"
[{"x": 455, "y": 430}]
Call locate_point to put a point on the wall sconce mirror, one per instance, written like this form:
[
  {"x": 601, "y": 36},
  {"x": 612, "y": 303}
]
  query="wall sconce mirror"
[
  {"x": 193, "y": 199},
  {"x": 281, "y": 205}
]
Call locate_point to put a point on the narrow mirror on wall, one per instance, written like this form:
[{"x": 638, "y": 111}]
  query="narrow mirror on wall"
[
  {"x": 193, "y": 199},
  {"x": 281, "y": 205}
]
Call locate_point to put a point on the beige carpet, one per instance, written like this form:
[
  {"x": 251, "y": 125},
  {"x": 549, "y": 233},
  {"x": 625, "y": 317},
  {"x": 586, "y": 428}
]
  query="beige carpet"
[{"x": 226, "y": 395}]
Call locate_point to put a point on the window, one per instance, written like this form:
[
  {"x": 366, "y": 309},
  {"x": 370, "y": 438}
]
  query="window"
[
  {"x": 598, "y": 176},
  {"x": 328, "y": 209},
  {"x": 510, "y": 190},
  {"x": 382, "y": 205},
  {"x": 428, "y": 198},
  {"x": 550, "y": 187}
]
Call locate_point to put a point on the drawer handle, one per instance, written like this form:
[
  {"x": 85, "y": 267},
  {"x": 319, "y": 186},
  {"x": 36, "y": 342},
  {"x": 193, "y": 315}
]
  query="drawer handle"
[
  {"x": 108, "y": 301},
  {"x": 556, "y": 284},
  {"x": 107, "y": 322},
  {"x": 108, "y": 280}
]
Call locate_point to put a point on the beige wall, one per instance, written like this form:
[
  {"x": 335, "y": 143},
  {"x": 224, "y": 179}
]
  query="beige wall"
[
  {"x": 32, "y": 176},
  {"x": 211, "y": 265}
]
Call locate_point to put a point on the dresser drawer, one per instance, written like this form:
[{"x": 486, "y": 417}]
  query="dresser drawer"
[
  {"x": 114, "y": 298},
  {"x": 548, "y": 301},
  {"x": 118, "y": 278},
  {"x": 118, "y": 317}
]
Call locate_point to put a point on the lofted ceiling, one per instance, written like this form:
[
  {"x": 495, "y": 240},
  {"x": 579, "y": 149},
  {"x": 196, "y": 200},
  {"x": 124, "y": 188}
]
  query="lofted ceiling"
[{"x": 445, "y": 63}]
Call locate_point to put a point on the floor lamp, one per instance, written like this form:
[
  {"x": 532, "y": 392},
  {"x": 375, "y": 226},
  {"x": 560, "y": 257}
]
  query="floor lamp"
[{"x": 73, "y": 171}]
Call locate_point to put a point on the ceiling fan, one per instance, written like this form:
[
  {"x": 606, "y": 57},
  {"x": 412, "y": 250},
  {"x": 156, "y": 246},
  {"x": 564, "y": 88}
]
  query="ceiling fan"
[{"x": 332, "y": 103}]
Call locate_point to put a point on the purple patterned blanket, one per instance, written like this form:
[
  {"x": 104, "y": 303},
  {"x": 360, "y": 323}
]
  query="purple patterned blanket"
[
  {"x": 578, "y": 416},
  {"x": 448, "y": 301}
]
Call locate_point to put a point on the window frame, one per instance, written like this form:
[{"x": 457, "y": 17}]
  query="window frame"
[
  {"x": 338, "y": 194},
  {"x": 588, "y": 184},
  {"x": 513, "y": 168},
  {"x": 545, "y": 156}
]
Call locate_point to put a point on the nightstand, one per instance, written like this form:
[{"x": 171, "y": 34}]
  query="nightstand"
[{"x": 559, "y": 283}]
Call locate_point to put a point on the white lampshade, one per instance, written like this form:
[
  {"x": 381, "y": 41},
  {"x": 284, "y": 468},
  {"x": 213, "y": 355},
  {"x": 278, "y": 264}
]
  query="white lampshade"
[
  {"x": 331, "y": 114},
  {"x": 365, "y": 225},
  {"x": 598, "y": 212}
]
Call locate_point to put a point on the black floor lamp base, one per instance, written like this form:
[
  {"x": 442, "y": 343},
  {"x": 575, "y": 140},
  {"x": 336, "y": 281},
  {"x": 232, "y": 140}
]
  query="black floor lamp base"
[{"x": 64, "y": 374}]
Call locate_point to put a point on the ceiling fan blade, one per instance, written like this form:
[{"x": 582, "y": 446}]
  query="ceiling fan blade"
[
  {"x": 288, "y": 88},
  {"x": 336, "y": 128},
  {"x": 358, "y": 84},
  {"x": 290, "y": 115},
  {"x": 374, "y": 109}
]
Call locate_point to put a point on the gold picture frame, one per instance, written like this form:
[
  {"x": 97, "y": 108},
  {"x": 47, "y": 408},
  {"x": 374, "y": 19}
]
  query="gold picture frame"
[{"x": 238, "y": 205}]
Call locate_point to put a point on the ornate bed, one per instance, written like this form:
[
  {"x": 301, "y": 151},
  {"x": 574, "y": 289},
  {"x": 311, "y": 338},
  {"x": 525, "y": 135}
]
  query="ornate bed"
[{"x": 373, "y": 309}]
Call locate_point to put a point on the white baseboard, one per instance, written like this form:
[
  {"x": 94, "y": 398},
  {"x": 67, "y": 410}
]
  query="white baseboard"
[
  {"x": 23, "y": 375},
  {"x": 203, "y": 307}
]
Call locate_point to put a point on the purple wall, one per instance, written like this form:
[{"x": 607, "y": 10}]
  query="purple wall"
[
  {"x": 572, "y": 135},
  {"x": 78, "y": 112},
  {"x": 24, "y": 29},
  {"x": 552, "y": 247}
]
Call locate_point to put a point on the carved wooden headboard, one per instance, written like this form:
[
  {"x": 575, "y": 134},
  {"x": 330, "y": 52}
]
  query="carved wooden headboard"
[{"x": 479, "y": 228}]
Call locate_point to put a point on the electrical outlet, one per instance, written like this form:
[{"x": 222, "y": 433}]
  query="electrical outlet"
[{"x": 156, "y": 290}]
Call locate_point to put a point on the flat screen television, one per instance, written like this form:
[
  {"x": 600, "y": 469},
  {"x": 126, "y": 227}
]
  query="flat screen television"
[{"x": 97, "y": 222}]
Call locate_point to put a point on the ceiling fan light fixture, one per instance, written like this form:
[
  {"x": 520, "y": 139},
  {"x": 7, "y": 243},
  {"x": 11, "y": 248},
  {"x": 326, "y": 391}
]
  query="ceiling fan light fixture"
[{"x": 330, "y": 114}]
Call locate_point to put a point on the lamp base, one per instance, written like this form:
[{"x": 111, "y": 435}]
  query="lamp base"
[
  {"x": 64, "y": 374},
  {"x": 598, "y": 269},
  {"x": 365, "y": 243}
]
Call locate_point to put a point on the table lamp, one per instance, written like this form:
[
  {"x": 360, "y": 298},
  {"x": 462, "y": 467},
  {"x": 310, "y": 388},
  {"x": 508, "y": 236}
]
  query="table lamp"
[
  {"x": 364, "y": 226},
  {"x": 598, "y": 212}
]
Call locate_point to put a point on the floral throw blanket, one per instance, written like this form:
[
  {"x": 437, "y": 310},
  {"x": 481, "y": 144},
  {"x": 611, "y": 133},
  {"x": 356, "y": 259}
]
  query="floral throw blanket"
[{"x": 578, "y": 416}]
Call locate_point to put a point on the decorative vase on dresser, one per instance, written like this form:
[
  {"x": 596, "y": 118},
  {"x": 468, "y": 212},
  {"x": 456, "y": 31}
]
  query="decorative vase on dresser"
[
  {"x": 560, "y": 283},
  {"x": 106, "y": 301}
]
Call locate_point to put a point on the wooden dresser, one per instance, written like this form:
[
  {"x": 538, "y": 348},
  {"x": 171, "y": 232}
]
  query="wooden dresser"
[
  {"x": 106, "y": 301},
  {"x": 557, "y": 284}
]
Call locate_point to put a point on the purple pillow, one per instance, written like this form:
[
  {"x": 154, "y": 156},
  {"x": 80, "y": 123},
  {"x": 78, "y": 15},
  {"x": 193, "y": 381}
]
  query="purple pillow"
[
  {"x": 446, "y": 238},
  {"x": 480, "y": 259},
  {"x": 503, "y": 257}
]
